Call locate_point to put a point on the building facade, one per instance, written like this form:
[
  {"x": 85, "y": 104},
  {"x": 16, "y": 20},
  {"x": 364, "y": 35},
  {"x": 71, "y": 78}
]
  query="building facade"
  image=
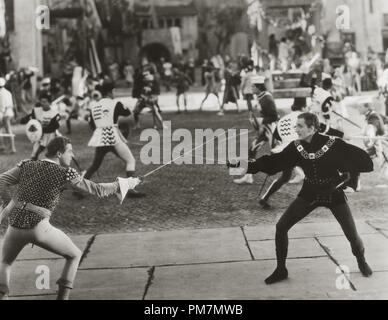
[
  {"x": 22, "y": 35},
  {"x": 132, "y": 28}
]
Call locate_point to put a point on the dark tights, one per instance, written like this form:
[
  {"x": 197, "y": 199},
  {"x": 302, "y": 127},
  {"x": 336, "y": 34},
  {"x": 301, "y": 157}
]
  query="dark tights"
[
  {"x": 277, "y": 184},
  {"x": 301, "y": 208}
]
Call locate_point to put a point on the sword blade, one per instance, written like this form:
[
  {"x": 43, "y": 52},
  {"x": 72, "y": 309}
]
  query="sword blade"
[{"x": 346, "y": 119}]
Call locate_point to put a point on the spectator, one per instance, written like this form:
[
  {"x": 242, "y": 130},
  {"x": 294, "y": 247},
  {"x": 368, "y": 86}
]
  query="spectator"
[
  {"x": 273, "y": 46},
  {"x": 26, "y": 75},
  {"x": 283, "y": 55},
  {"x": 191, "y": 70},
  {"x": 167, "y": 74},
  {"x": 128, "y": 73}
]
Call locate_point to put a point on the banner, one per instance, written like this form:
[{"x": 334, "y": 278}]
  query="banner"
[
  {"x": 154, "y": 15},
  {"x": 94, "y": 59},
  {"x": 93, "y": 17},
  {"x": 3, "y": 28},
  {"x": 254, "y": 14},
  {"x": 176, "y": 39}
]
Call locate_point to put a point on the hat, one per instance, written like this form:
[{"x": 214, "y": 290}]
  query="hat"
[
  {"x": 2, "y": 82},
  {"x": 258, "y": 80}
]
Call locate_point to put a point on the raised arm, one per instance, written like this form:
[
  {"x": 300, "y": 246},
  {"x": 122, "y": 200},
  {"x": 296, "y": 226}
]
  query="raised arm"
[{"x": 352, "y": 159}]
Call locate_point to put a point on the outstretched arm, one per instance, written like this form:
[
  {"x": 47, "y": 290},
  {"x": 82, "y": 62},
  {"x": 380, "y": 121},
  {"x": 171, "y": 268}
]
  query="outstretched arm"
[
  {"x": 275, "y": 163},
  {"x": 101, "y": 190},
  {"x": 287, "y": 159}
]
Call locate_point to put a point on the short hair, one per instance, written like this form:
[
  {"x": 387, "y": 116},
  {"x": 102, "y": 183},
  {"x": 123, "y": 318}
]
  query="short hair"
[
  {"x": 310, "y": 119},
  {"x": 327, "y": 83},
  {"x": 56, "y": 145}
]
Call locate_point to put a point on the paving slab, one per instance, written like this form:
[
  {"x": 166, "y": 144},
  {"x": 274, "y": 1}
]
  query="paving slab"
[
  {"x": 110, "y": 284},
  {"x": 167, "y": 248},
  {"x": 25, "y": 276},
  {"x": 298, "y": 248},
  {"x": 36, "y": 253},
  {"x": 36, "y": 297},
  {"x": 305, "y": 230},
  {"x": 375, "y": 286},
  {"x": 380, "y": 225},
  {"x": 309, "y": 279},
  {"x": 376, "y": 251}
]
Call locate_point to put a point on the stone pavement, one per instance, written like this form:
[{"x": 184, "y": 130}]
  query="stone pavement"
[{"x": 226, "y": 263}]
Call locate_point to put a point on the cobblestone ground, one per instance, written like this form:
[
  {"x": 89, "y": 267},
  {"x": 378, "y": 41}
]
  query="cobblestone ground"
[{"x": 183, "y": 196}]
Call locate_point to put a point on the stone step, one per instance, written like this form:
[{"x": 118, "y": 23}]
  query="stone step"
[
  {"x": 291, "y": 93},
  {"x": 287, "y": 84}
]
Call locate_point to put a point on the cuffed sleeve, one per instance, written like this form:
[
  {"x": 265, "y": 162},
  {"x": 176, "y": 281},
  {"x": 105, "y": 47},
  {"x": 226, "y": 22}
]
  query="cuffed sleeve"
[{"x": 101, "y": 190}]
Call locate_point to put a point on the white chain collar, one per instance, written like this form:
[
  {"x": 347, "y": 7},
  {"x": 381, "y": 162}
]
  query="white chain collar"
[{"x": 316, "y": 155}]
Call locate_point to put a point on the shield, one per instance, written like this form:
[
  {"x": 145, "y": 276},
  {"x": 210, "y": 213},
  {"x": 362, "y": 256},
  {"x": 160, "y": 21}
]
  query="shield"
[
  {"x": 34, "y": 131},
  {"x": 286, "y": 127}
]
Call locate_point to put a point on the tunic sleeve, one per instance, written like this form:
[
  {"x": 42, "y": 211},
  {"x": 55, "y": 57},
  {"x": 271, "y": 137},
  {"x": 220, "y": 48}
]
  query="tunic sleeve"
[
  {"x": 53, "y": 125},
  {"x": 352, "y": 158},
  {"x": 101, "y": 190},
  {"x": 120, "y": 110},
  {"x": 275, "y": 163}
]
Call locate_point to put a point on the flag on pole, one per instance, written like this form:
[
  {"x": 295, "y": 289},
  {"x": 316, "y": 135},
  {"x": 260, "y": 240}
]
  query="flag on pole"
[
  {"x": 93, "y": 17},
  {"x": 154, "y": 15},
  {"x": 176, "y": 39},
  {"x": 254, "y": 13}
]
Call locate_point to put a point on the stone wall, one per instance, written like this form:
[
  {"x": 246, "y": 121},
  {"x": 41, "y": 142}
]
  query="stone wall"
[
  {"x": 26, "y": 39},
  {"x": 367, "y": 24}
]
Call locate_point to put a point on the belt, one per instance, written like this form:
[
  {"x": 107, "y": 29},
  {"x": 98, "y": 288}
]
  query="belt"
[{"x": 43, "y": 212}]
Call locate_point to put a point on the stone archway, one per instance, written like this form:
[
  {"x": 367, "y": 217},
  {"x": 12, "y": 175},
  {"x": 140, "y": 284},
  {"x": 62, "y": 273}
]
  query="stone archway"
[{"x": 154, "y": 51}]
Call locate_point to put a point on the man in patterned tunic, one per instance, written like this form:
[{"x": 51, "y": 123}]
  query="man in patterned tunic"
[
  {"x": 322, "y": 159},
  {"x": 40, "y": 184}
]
